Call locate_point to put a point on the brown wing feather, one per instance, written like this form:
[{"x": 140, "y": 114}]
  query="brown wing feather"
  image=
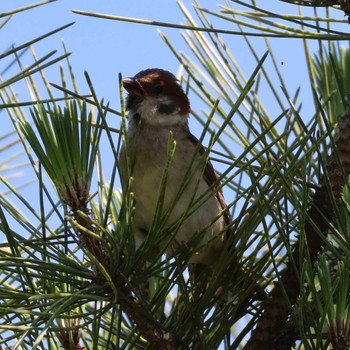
[{"x": 210, "y": 178}]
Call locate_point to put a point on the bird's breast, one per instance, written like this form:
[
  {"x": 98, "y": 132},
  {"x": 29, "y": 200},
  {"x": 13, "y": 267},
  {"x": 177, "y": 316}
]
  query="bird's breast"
[{"x": 152, "y": 164}]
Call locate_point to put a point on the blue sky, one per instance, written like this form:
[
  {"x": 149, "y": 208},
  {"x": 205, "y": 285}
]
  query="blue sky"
[{"x": 104, "y": 47}]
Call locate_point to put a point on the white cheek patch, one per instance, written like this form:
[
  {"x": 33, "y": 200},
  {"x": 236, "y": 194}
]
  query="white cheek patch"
[{"x": 147, "y": 108}]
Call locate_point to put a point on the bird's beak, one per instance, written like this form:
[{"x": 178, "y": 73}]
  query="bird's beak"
[{"x": 132, "y": 86}]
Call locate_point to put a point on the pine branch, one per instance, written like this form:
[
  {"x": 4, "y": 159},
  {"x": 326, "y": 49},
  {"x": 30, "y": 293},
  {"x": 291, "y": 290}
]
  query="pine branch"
[
  {"x": 276, "y": 309},
  {"x": 129, "y": 304},
  {"x": 67, "y": 150}
]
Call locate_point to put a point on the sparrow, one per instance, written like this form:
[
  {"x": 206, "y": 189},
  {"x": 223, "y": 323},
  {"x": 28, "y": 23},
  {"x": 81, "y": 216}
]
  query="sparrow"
[{"x": 158, "y": 111}]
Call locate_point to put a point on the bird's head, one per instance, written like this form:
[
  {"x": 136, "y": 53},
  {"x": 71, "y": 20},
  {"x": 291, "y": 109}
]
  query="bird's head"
[{"x": 156, "y": 97}]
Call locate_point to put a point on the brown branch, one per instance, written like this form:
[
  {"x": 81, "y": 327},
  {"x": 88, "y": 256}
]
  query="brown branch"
[
  {"x": 129, "y": 304},
  {"x": 153, "y": 334},
  {"x": 276, "y": 308},
  {"x": 67, "y": 337}
]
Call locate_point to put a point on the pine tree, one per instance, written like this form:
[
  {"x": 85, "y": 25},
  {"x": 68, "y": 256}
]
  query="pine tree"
[{"x": 70, "y": 275}]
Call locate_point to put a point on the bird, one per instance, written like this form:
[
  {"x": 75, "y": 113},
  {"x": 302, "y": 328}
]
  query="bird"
[{"x": 158, "y": 110}]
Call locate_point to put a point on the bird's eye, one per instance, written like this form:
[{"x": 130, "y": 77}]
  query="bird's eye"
[{"x": 158, "y": 89}]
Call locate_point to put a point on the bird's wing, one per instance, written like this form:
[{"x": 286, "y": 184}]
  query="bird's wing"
[{"x": 211, "y": 178}]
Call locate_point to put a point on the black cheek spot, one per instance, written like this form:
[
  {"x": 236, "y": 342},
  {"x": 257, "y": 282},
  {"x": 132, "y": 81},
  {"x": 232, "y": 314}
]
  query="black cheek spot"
[
  {"x": 167, "y": 108},
  {"x": 137, "y": 118}
]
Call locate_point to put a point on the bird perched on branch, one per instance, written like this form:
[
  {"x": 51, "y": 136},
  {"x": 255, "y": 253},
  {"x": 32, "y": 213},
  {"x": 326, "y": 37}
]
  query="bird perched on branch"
[{"x": 168, "y": 166}]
